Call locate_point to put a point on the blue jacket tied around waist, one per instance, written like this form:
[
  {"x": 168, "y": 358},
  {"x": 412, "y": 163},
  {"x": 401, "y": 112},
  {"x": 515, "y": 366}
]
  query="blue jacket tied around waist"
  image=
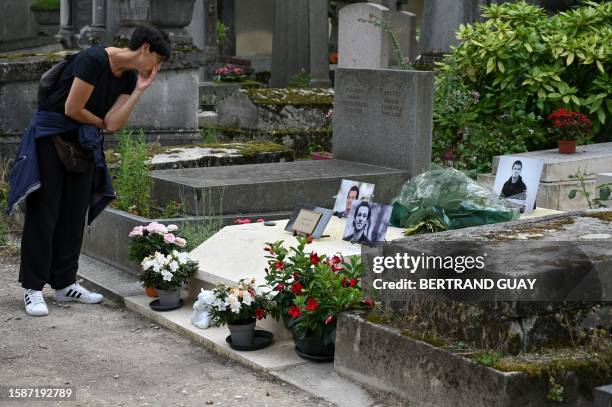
[{"x": 25, "y": 177}]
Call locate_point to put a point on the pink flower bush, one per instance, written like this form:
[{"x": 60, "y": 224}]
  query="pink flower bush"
[{"x": 154, "y": 237}]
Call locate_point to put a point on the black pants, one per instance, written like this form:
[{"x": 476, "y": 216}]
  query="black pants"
[{"x": 54, "y": 223}]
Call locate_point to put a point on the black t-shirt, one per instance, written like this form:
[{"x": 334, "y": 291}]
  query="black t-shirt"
[{"x": 92, "y": 66}]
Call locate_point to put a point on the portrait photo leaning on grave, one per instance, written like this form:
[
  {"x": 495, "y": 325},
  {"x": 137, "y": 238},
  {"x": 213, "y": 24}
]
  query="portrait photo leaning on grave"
[
  {"x": 352, "y": 194},
  {"x": 515, "y": 189},
  {"x": 359, "y": 232},
  {"x": 60, "y": 169}
]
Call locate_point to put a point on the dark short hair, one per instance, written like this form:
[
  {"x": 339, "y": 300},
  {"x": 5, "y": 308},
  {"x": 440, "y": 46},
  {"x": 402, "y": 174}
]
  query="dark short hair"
[
  {"x": 517, "y": 162},
  {"x": 361, "y": 205},
  {"x": 157, "y": 39},
  {"x": 353, "y": 188}
]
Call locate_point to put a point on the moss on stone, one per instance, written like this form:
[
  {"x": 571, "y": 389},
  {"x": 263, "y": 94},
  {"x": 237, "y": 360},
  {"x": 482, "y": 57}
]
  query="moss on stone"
[
  {"x": 605, "y": 216},
  {"x": 55, "y": 56},
  {"x": 429, "y": 338},
  {"x": 291, "y": 96},
  {"x": 274, "y": 132},
  {"x": 250, "y": 149}
]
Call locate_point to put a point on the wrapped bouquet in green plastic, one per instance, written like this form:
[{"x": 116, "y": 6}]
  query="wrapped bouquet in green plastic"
[{"x": 444, "y": 198}]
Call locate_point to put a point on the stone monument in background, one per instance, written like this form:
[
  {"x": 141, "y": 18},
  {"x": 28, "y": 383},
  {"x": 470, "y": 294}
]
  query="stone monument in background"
[
  {"x": 300, "y": 42},
  {"x": 362, "y": 44},
  {"x": 384, "y": 117}
]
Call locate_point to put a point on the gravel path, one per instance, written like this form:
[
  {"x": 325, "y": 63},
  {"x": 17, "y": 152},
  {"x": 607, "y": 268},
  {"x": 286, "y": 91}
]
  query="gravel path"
[{"x": 115, "y": 358}]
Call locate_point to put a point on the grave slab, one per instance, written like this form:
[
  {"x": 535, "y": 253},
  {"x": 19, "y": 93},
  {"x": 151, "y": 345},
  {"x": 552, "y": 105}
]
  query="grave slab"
[
  {"x": 261, "y": 188},
  {"x": 384, "y": 117},
  {"x": 236, "y": 252}
]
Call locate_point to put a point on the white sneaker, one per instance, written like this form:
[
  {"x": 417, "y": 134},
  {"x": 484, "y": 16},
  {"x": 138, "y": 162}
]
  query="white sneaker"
[
  {"x": 76, "y": 292},
  {"x": 35, "y": 304}
]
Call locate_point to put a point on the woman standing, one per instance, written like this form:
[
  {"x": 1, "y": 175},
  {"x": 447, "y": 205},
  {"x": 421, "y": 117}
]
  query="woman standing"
[{"x": 60, "y": 169}]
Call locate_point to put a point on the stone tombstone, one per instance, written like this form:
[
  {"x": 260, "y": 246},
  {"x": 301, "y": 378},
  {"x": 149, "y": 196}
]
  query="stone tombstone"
[
  {"x": 403, "y": 25},
  {"x": 362, "y": 44},
  {"x": 384, "y": 117},
  {"x": 291, "y": 41},
  {"x": 441, "y": 20}
]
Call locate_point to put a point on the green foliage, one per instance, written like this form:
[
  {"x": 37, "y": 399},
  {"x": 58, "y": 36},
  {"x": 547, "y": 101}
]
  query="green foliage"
[
  {"x": 555, "y": 390},
  {"x": 512, "y": 70},
  {"x": 184, "y": 268},
  {"x": 488, "y": 358},
  {"x": 300, "y": 80},
  {"x": 45, "y": 5},
  {"x": 386, "y": 28},
  {"x": 221, "y": 31},
  {"x": 312, "y": 289},
  {"x": 602, "y": 191},
  {"x": 133, "y": 183},
  {"x": 248, "y": 303}
]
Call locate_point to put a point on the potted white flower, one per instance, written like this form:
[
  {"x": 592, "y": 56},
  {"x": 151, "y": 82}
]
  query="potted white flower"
[
  {"x": 239, "y": 307},
  {"x": 167, "y": 273}
]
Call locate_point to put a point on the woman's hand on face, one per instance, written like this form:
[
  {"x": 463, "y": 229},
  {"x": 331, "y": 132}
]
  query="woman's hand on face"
[{"x": 145, "y": 81}]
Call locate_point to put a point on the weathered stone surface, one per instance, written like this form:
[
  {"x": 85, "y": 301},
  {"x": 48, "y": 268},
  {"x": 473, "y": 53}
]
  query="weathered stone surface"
[
  {"x": 384, "y": 117},
  {"x": 361, "y": 44},
  {"x": 441, "y": 19},
  {"x": 404, "y": 24},
  {"x": 383, "y": 359},
  {"x": 213, "y": 92},
  {"x": 574, "y": 246},
  {"x": 270, "y": 187},
  {"x": 291, "y": 41},
  {"x": 194, "y": 157},
  {"x": 281, "y": 109}
]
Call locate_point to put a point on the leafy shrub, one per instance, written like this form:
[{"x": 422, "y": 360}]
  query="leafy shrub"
[
  {"x": 45, "y": 5},
  {"x": 513, "y": 69},
  {"x": 133, "y": 183}
]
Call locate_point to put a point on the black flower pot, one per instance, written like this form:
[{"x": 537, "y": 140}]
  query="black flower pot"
[{"x": 312, "y": 347}]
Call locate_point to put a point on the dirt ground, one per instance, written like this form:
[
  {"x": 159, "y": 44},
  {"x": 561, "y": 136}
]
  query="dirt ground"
[{"x": 115, "y": 358}]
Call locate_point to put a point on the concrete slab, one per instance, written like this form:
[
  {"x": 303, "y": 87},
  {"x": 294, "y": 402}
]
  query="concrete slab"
[
  {"x": 594, "y": 158},
  {"x": 269, "y": 187},
  {"x": 246, "y": 259},
  {"x": 279, "y": 355},
  {"x": 321, "y": 379}
]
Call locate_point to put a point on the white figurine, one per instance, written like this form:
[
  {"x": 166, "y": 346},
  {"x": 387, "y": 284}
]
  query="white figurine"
[{"x": 201, "y": 309}]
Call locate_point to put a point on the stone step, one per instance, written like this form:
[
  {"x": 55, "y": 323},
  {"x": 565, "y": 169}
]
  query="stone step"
[
  {"x": 594, "y": 158},
  {"x": 260, "y": 188}
]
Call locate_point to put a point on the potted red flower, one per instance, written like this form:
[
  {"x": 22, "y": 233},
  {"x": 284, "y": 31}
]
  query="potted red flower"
[
  {"x": 311, "y": 291},
  {"x": 568, "y": 127}
]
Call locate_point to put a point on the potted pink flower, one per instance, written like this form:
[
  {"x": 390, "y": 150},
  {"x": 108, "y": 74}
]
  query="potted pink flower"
[{"x": 154, "y": 237}]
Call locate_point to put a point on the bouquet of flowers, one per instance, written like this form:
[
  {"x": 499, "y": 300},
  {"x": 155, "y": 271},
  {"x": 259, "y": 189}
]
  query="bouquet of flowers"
[
  {"x": 568, "y": 125},
  {"x": 229, "y": 73},
  {"x": 237, "y": 305},
  {"x": 167, "y": 271},
  {"x": 155, "y": 237},
  {"x": 312, "y": 290}
]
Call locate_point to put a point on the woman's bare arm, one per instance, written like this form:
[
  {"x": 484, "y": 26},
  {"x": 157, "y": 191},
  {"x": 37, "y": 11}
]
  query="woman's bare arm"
[
  {"x": 79, "y": 94},
  {"x": 119, "y": 114}
]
